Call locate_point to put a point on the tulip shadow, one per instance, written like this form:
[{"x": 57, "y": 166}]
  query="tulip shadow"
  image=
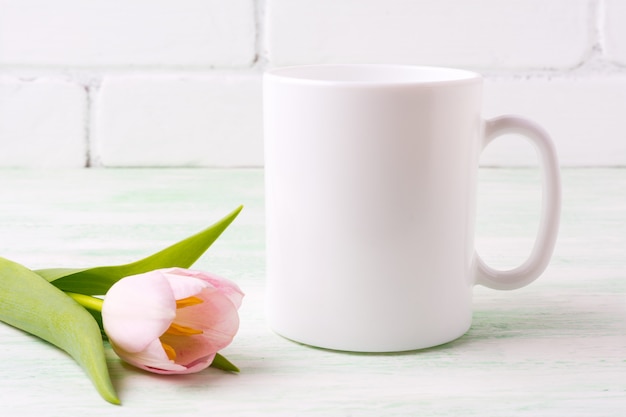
[{"x": 125, "y": 378}]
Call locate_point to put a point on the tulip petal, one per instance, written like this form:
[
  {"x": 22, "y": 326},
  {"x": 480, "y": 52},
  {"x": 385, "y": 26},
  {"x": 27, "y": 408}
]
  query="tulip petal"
[
  {"x": 153, "y": 358},
  {"x": 188, "y": 318},
  {"x": 191, "y": 351},
  {"x": 183, "y": 286},
  {"x": 226, "y": 287},
  {"x": 138, "y": 309},
  {"x": 217, "y": 317},
  {"x": 200, "y": 364}
]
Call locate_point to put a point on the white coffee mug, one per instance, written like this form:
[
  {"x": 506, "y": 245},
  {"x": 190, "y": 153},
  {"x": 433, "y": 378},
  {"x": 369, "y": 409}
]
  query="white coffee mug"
[{"x": 370, "y": 175}]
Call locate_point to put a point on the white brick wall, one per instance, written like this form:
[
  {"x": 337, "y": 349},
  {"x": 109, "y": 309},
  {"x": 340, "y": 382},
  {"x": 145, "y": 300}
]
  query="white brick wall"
[
  {"x": 614, "y": 14},
  {"x": 177, "y": 82},
  {"x": 480, "y": 34},
  {"x": 42, "y": 123},
  {"x": 127, "y": 33},
  {"x": 150, "y": 120},
  {"x": 584, "y": 116}
]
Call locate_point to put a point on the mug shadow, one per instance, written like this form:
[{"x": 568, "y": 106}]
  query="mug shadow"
[
  {"x": 449, "y": 345},
  {"x": 503, "y": 324}
]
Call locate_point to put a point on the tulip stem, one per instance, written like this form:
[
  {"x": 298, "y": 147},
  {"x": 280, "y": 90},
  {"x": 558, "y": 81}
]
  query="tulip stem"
[{"x": 87, "y": 301}]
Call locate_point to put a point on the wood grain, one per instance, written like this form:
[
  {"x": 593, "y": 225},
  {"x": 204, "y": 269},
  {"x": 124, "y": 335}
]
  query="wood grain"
[{"x": 554, "y": 348}]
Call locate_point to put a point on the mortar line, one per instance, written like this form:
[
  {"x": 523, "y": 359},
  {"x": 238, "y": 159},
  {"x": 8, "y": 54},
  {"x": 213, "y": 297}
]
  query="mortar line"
[
  {"x": 87, "y": 127},
  {"x": 260, "y": 59}
]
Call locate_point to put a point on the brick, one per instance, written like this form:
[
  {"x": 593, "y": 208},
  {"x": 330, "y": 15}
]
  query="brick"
[
  {"x": 169, "y": 120},
  {"x": 585, "y": 118},
  {"x": 615, "y": 30},
  {"x": 42, "y": 123},
  {"x": 127, "y": 33},
  {"x": 488, "y": 34}
]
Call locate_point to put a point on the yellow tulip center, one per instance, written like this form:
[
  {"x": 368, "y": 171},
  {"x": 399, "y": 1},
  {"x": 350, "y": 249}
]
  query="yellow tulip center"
[
  {"x": 169, "y": 351},
  {"x": 178, "y": 330},
  {"x": 188, "y": 302}
]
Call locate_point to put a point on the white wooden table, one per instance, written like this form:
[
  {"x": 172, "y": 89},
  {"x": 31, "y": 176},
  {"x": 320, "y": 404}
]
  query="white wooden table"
[{"x": 555, "y": 348}]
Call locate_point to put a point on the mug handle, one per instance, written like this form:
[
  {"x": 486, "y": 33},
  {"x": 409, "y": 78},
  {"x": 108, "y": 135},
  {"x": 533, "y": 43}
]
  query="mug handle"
[{"x": 550, "y": 211}]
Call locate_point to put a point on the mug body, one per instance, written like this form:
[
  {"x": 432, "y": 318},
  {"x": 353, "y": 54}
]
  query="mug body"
[{"x": 370, "y": 175}]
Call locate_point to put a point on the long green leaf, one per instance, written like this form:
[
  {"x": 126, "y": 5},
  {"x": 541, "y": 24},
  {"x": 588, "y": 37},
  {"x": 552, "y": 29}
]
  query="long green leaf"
[
  {"x": 31, "y": 304},
  {"x": 98, "y": 280}
]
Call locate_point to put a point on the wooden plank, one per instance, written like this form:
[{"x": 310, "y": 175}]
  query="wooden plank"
[{"x": 554, "y": 348}]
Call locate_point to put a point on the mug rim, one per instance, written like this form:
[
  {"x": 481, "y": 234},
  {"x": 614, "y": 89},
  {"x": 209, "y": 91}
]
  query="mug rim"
[{"x": 370, "y": 74}]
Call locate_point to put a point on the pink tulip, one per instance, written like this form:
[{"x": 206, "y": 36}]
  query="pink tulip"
[{"x": 171, "y": 321}]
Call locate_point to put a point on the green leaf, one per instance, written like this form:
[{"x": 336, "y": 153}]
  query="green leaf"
[
  {"x": 220, "y": 362},
  {"x": 31, "y": 304},
  {"x": 98, "y": 280}
]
